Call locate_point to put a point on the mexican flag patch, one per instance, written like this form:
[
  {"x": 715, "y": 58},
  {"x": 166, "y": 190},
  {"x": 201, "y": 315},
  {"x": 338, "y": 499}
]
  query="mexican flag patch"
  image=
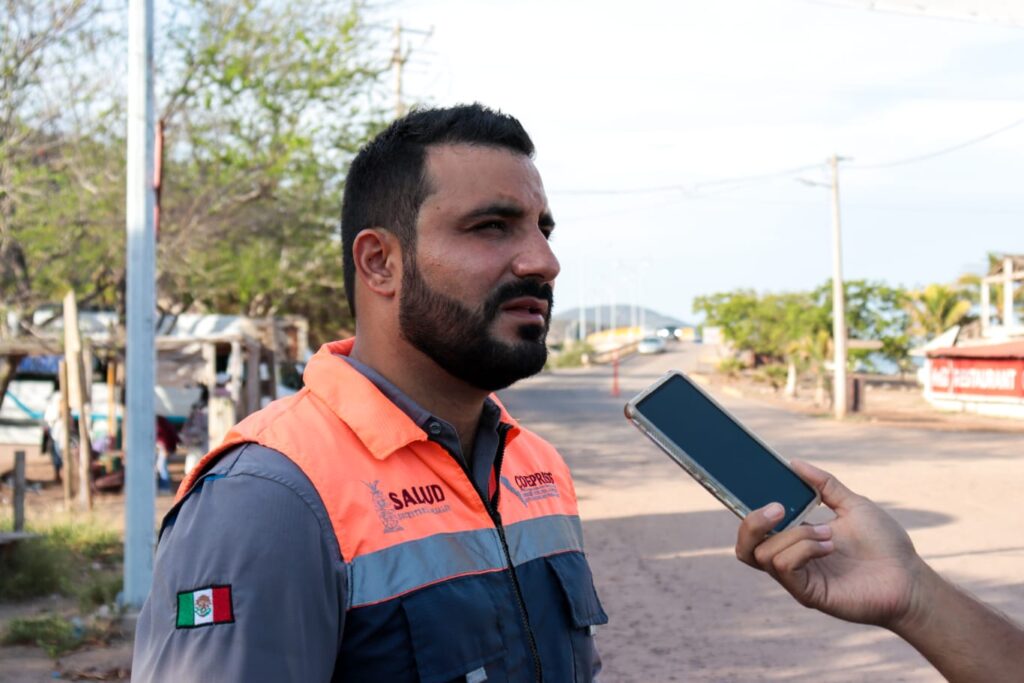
[{"x": 205, "y": 606}]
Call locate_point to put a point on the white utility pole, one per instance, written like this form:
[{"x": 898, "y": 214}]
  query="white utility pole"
[
  {"x": 140, "y": 450},
  {"x": 838, "y": 302},
  {"x": 582, "y": 336}
]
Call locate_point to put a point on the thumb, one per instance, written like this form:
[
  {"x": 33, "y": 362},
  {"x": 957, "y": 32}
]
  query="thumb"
[{"x": 833, "y": 493}]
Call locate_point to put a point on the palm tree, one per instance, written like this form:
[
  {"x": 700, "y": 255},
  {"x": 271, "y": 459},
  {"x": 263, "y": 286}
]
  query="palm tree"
[{"x": 936, "y": 308}]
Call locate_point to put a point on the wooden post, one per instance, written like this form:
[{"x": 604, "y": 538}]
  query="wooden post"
[
  {"x": 220, "y": 418},
  {"x": 112, "y": 403},
  {"x": 19, "y": 490},
  {"x": 272, "y": 360},
  {"x": 210, "y": 369},
  {"x": 252, "y": 376},
  {"x": 65, "y": 439},
  {"x": 79, "y": 397},
  {"x": 87, "y": 372},
  {"x": 235, "y": 369},
  {"x": 84, "y": 448}
]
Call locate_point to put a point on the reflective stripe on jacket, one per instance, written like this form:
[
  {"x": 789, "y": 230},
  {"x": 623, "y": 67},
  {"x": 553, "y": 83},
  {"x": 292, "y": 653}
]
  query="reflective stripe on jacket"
[{"x": 432, "y": 593}]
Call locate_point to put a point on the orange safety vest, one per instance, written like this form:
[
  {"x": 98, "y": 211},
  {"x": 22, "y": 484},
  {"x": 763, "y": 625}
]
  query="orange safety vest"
[{"x": 416, "y": 534}]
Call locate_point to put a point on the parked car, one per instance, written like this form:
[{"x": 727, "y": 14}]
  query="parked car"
[{"x": 649, "y": 345}]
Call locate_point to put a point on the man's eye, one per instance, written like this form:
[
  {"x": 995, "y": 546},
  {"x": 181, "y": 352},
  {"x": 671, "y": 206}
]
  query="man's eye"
[{"x": 497, "y": 226}]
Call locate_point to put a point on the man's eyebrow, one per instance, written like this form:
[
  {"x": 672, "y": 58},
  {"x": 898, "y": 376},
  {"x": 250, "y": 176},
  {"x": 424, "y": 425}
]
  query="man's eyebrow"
[
  {"x": 546, "y": 220},
  {"x": 497, "y": 209}
]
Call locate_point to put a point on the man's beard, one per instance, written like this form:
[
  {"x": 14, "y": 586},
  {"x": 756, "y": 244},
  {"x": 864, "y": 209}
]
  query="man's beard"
[{"x": 458, "y": 338}]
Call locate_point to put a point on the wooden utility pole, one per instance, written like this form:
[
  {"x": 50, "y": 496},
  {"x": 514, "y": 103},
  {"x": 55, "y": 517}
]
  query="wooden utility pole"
[
  {"x": 398, "y": 59},
  {"x": 838, "y": 302},
  {"x": 399, "y": 56}
]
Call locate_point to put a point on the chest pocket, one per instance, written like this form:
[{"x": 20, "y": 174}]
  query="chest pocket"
[
  {"x": 455, "y": 632},
  {"x": 584, "y": 611}
]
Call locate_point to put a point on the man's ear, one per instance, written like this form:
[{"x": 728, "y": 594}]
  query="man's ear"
[{"x": 377, "y": 255}]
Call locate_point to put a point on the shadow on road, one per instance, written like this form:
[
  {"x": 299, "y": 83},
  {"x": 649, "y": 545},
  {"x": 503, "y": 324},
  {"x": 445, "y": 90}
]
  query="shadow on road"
[{"x": 682, "y": 608}]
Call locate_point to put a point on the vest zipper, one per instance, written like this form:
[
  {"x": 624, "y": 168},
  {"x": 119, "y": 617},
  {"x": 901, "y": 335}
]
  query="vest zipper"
[
  {"x": 496, "y": 518},
  {"x": 492, "y": 511}
]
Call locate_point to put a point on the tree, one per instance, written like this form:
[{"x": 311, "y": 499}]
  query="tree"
[
  {"x": 796, "y": 327},
  {"x": 269, "y": 101},
  {"x": 935, "y": 309},
  {"x": 55, "y": 153},
  {"x": 263, "y": 105},
  {"x": 51, "y": 130},
  {"x": 874, "y": 312}
]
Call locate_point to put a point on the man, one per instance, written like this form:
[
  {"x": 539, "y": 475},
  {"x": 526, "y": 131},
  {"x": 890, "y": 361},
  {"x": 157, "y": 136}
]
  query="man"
[
  {"x": 391, "y": 522},
  {"x": 54, "y": 430},
  {"x": 862, "y": 567}
]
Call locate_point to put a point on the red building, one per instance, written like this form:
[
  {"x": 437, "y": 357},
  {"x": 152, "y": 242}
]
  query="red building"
[{"x": 983, "y": 373}]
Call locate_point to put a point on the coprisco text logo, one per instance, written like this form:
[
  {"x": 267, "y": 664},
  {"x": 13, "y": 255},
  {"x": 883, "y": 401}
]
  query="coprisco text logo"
[
  {"x": 531, "y": 487},
  {"x": 528, "y": 481}
]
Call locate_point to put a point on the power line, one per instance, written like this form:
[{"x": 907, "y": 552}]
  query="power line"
[
  {"x": 694, "y": 189},
  {"x": 940, "y": 152}
]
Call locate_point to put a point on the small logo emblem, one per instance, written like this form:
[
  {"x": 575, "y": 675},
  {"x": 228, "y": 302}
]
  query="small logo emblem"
[
  {"x": 507, "y": 484},
  {"x": 204, "y": 606},
  {"x": 387, "y": 515}
]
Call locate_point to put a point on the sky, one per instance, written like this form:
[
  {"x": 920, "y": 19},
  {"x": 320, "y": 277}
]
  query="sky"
[{"x": 645, "y": 114}]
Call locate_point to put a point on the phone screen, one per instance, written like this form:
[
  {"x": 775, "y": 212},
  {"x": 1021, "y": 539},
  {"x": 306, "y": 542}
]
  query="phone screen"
[{"x": 724, "y": 448}]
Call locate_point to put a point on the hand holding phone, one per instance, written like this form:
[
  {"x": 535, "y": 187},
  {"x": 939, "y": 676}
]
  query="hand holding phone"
[{"x": 715, "y": 449}]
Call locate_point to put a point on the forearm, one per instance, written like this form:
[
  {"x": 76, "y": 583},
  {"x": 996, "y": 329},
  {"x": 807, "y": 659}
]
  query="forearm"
[{"x": 965, "y": 639}]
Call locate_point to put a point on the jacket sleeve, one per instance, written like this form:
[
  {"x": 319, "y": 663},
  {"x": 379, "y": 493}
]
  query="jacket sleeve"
[{"x": 262, "y": 536}]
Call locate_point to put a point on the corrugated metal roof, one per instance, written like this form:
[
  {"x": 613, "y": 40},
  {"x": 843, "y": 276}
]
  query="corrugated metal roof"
[{"x": 1014, "y": 349}]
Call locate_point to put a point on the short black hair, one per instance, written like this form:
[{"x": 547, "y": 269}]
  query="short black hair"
[{"x": 387, "y": 182}]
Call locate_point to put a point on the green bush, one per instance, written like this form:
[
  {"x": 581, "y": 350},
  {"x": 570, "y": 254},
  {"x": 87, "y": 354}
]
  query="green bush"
[
  {"x": 774, "y": 374},
  {"x": 55, "y": 634},
  {"x": 730, "y": 366},
  {"x": 33, "y": 568},
  {"x": 571, "y": 356},
  {"x": 72, "y": 559}
]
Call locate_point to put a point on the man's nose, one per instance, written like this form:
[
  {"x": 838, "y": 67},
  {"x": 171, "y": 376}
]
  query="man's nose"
[{"x": 537, "y": 259}]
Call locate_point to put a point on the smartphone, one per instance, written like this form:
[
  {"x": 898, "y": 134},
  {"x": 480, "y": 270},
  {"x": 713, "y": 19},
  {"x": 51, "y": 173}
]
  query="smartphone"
[{"x": 715, "y": 449}]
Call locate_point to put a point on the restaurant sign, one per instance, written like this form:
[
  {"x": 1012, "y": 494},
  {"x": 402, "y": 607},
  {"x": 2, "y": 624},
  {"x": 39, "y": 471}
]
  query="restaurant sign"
[{"x": 984, "y": 377}]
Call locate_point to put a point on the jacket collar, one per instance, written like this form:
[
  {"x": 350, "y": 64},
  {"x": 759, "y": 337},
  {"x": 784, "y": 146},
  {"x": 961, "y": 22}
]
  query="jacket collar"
[{"x": 382, "y": 426}]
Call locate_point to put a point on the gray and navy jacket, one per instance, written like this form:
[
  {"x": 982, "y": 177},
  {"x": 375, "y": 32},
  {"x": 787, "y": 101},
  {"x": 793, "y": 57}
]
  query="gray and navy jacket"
[{"x": 341, "y": 535}]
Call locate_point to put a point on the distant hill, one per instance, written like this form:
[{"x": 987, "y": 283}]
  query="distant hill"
[{"x": 566, "y": 321}]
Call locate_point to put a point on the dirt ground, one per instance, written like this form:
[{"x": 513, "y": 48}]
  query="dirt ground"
[
  {"x": 662, "y": 548},
  {"x": 682, "y": 608},
  {"x": 44, "y": 503}
]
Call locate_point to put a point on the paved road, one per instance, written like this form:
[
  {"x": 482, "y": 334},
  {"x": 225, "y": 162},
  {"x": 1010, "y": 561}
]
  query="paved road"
[{"x": 683, "y": 609}]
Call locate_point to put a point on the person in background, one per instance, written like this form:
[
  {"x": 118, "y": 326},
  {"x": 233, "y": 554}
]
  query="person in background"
[
  {"x": 53, "y": 424},
  {"x": 166, "y": 445},
  {"x": 862, "y": 567}
]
